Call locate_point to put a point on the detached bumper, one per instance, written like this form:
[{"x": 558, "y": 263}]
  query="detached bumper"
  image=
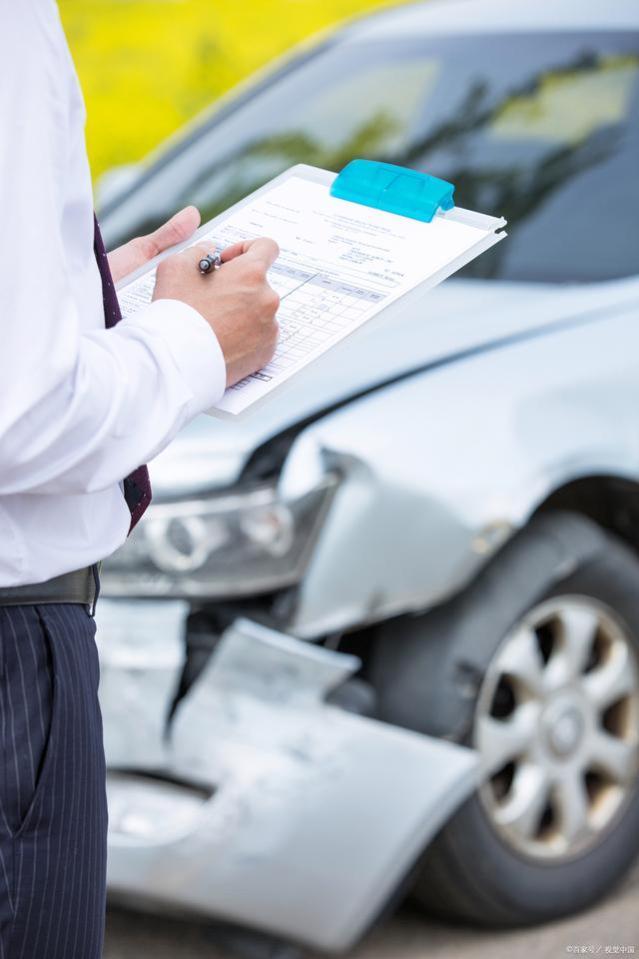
[{"x": 264, "y": 806}]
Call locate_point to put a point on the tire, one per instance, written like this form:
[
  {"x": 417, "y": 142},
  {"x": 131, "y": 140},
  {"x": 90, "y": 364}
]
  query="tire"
[{"x": 433, "y": 674}]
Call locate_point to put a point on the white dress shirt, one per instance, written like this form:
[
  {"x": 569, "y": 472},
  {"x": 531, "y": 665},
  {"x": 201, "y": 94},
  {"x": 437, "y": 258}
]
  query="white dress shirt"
[{"x": 80, "y": 406}]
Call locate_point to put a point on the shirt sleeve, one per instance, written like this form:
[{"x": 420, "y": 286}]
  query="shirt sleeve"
[{"x": 79, "y": 409}]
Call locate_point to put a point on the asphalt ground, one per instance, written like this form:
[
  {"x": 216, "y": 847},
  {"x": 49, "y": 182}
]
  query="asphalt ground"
[{"x": 611, "y": 928}]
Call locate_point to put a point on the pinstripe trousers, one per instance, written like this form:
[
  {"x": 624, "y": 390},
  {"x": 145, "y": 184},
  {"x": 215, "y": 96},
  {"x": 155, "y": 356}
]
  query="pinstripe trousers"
[{"x": 53, "y": 816}]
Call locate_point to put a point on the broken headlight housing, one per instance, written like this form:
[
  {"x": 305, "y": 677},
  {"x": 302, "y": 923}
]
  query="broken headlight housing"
[{"x": 234, "y": 544}]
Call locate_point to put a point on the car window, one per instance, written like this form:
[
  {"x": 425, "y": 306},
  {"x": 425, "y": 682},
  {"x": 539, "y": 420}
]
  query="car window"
[
  {"x": 323, "y": 112},
  {"x": 542, "y": 129}
]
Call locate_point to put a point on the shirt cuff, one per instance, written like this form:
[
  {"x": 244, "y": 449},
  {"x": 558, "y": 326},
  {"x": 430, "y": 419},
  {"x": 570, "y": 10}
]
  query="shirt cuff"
[{"x": 193, "y": 345}]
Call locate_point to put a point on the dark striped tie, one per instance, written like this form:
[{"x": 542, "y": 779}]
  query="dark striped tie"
[{"x": 137, "y": 486}]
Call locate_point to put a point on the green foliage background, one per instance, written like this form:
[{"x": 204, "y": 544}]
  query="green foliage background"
[{"x": 148, "y": 66}]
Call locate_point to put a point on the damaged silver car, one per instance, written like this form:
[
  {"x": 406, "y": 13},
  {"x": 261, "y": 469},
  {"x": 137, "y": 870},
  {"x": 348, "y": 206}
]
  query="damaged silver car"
[{"x": 382, "y": 635}]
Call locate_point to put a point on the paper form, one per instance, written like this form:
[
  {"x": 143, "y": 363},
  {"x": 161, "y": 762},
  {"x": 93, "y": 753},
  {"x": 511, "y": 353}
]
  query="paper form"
[{"x": 340, "y": 263}]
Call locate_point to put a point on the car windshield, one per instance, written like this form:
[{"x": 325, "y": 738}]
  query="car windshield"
[{"x": 542, "y": 129}]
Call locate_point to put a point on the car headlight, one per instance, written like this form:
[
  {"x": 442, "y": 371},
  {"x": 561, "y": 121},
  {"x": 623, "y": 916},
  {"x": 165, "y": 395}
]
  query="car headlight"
[{"x": 227, "y": 545}]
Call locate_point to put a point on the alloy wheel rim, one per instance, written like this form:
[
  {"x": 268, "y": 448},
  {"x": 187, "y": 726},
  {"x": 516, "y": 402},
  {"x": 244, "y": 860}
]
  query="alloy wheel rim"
[{"x": 557, "y": 728}]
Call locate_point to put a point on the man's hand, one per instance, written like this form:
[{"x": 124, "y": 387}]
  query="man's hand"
[
  {"x": 135, "y": 254},
  {"x": 235, "y": 300}
]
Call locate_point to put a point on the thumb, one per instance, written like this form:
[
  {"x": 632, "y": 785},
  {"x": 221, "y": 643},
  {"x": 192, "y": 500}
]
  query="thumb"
[{"x": 179, "y": 228}]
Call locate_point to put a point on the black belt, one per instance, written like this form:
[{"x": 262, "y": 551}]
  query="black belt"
[{"x": 81, "y": 586}]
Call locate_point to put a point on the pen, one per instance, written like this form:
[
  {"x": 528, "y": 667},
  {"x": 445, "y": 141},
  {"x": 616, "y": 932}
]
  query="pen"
[{"x": 212, "y": 261}]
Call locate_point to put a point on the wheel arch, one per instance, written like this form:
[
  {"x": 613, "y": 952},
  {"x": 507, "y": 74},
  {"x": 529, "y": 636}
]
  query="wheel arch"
[{"x": 610, "y": 500}]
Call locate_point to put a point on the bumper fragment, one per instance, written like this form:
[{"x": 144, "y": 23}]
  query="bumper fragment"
[{"x": 265, "y": 806}]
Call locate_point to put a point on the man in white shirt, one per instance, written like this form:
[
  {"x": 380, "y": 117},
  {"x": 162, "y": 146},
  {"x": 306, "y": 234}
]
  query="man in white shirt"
[{"x": 81, "y": 407}]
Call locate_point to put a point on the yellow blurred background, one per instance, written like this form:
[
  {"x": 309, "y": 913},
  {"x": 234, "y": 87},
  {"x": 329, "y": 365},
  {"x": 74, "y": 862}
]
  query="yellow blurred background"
[{"x": 148, "y": 66}]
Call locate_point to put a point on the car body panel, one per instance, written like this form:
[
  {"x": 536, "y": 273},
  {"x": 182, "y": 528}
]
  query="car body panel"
[
  {"x": 295, "y": 786},
  {"x": 419, "y": 332}
]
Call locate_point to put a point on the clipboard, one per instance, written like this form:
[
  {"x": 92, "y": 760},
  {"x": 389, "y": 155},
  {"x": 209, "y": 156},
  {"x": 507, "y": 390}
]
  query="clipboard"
[{"x": 365, "y": 193}]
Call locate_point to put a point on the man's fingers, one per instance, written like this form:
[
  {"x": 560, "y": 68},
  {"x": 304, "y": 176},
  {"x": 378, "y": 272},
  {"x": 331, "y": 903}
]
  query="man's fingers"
[
  {"x": 198, "y": 251},
  {"x": 231, "y": 252},
  {"x": 264, "y": 250},
  {"x": 179, "y": 228},
  {"x": 261, "y": 251}
]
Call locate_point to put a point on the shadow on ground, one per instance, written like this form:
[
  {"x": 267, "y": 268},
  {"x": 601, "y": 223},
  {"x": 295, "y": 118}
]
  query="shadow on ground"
[{"x": 408, "y": 935}]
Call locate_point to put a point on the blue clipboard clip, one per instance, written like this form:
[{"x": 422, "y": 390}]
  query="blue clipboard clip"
[{"x": 395, "y": 189}]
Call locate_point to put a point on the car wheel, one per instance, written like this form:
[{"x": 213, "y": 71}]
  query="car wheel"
[{"x": 536, "y": 665}]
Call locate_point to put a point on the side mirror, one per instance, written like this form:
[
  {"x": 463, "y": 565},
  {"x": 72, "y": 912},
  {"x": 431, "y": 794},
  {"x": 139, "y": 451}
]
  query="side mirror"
[{"x": 114, "y": 183}]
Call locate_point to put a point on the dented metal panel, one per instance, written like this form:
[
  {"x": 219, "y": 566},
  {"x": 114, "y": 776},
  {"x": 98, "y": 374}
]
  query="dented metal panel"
[{"x": 313, "y": 814}]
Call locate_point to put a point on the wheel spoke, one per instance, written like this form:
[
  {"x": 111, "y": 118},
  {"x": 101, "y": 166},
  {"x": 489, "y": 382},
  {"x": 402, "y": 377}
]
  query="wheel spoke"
[
  {"x": 527, "y": 799},
  {"x": 521, "y": 660},
  {"x": 501, "y": 740},
  {"x": 612, "y": 680},
  {"x": 614, "y": 757},
  {"x": 571, "y": 803},
  {"x": 578, "y": 630}
]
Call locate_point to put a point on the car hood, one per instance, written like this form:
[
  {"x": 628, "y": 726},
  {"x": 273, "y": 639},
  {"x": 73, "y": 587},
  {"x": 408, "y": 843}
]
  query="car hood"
[{"x": 459, "y": 317}]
